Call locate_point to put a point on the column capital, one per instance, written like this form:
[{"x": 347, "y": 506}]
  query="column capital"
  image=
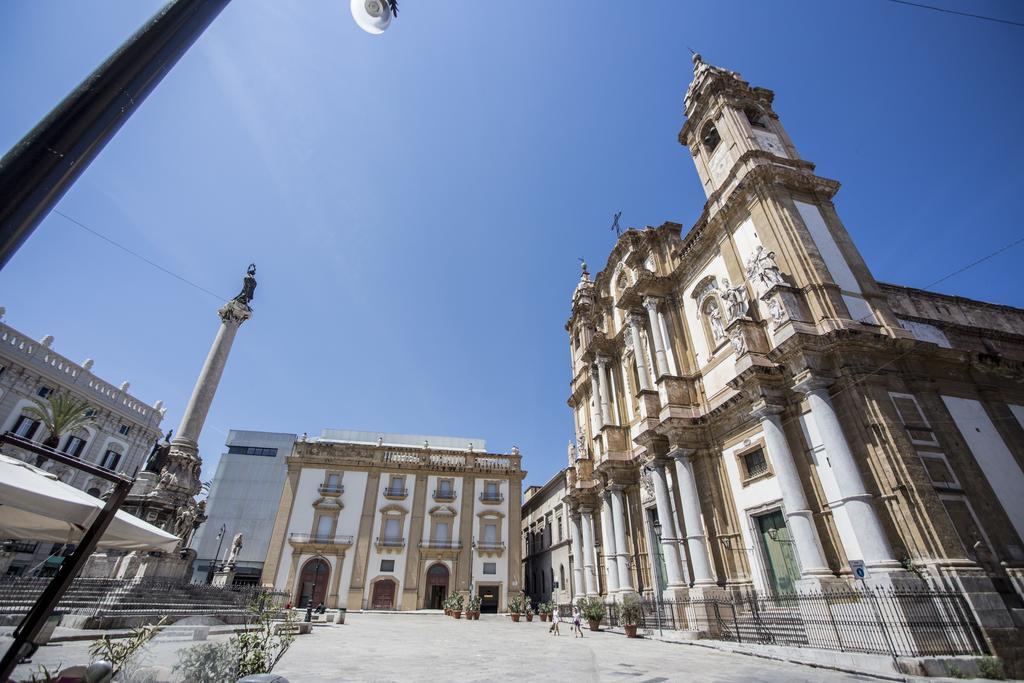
[
  {"x": 682, "y": 454},
  {"x": 651, "y": 302},
  {"x": 615, "y": 488},
  {"x": 636, "y": 319},
  {"x": 234, "y": 312},
  {"x": 602, "y": 360},
  {"x": 762, "y": 409},
  {"x": 809, "y": 381}
]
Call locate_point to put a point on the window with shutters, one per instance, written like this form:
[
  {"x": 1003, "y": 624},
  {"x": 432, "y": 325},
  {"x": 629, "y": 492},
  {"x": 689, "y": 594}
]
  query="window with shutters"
[{"x": 918, "y": 429}]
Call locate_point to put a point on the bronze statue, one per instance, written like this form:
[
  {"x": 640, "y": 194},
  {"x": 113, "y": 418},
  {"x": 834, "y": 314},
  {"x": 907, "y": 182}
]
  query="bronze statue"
[
  {"x": 158, "y": 456},
  {"x": 248, "y": 286}
]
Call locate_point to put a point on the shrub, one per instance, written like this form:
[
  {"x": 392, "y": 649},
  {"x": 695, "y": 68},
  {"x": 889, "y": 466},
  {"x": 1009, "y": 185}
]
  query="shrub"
[
  {"x": 592, "y": 609},
  {"x": 631, "y": 612},
  {"x": 991, "y": 667}
]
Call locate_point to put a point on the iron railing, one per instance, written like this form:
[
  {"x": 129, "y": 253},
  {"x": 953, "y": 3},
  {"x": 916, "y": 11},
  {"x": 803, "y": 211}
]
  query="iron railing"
[
  {"x": 326, "y": 539},
  {"x": 441, "y": 494},
  {"x": 441, "y": 545},
  {"x": 486, "y": 497},
  {"x": 911, "y": 623},
  {"x": 391, "y": 542},
  {"x": 395, "y": 492},
  {"x": 489, "y": 545},
  {"x": 332, "y": 488}
]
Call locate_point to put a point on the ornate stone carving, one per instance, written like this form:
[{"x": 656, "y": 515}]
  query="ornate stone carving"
[
  {"x": 763, "y": 271},
  {"x": 735, "y": 299},
  {"x": 739, "y": 343},
  {"x": 714, "y": 314}
]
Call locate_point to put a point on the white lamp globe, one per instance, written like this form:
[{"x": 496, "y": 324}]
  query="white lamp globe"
[{"x": 373, "y": 16}]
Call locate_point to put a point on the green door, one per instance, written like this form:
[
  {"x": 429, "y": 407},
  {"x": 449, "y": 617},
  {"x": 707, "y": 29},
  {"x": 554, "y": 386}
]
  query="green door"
[{"x": 780, "y": 558}]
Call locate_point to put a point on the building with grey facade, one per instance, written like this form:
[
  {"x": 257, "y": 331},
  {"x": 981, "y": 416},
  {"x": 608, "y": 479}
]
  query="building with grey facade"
[
  {"x": 120, "y": 436},
  {"x": 243, "y": 500},
  {"x": 548, "y": 552}
]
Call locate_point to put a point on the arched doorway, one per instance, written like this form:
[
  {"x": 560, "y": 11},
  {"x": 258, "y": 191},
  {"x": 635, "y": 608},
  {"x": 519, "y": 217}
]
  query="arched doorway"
[
  {"x": 437, "y": 586},
  {"x": 383, "y": 596},
  {"x": 312, "y": 586}
]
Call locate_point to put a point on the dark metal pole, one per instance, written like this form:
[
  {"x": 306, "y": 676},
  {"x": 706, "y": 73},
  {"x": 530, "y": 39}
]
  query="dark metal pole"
[
  {"x": 33, "y": 622},
  {"x": 44, "y": 164},
  {"x": 216, "y": 557}
]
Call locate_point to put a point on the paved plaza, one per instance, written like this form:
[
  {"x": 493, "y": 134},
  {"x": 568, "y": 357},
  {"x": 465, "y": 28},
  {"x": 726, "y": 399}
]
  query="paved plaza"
[{"x": 432, "y": 647}]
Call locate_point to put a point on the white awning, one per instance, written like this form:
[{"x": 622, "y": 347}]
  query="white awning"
[{"x": 35, "y": 505}]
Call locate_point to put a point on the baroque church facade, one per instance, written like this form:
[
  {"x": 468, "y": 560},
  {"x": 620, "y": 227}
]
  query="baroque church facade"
[{"x": 754, "y": 410}]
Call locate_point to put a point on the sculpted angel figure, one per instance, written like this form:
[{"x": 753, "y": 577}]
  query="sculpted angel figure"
[
  {"x": 763, "y": 270},
  {"x": 735, "y": 299}
]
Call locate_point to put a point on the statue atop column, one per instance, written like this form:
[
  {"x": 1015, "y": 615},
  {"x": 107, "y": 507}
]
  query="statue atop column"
[{"x": 248, "y": 286}]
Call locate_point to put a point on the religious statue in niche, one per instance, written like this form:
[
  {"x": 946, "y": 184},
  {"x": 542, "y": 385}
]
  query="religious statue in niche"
[
  {"x": 763, "y": 271},
  {"x": 248, "y": 286},
  {"x": 735, "y": 299},
  {"x": 714, "y": 314},
  {"x": 581, "y": 446}
]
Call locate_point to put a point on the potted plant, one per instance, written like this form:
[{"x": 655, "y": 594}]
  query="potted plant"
[
  {"x": 529, "y": 610},
  {"x": 631, "y": 612},
  {"x": 515, "y": 606},
  {"x": 457, "y": 605},
  {"x": 592, "y": 609},
  {"x": 542, "y": 611},
  {"x": 473, "y": 608}
]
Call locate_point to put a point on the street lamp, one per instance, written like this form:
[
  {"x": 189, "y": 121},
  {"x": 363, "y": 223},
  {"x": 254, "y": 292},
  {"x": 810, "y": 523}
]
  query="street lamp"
[
  {"x": 216, "y": 555},
  {"x": 41, "y": 167},
  {"x": 316, "y": 578}
]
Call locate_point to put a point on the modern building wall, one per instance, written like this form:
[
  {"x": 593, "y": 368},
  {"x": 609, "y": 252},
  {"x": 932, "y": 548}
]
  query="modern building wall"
[
  {"x": 120, "y": 436},
  {"x": 548, "y": 554},
  {"x": 376, "y": 521},
  {"x": 244, "y": 498}
]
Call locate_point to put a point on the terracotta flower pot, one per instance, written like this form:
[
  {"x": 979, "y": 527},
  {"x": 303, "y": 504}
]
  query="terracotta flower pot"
[
  {"x": 529, "y": 616},
  {"x": 515, "y": 617},
  {"x": 476, "y": 616},
  {"x": 457, "y": 613},
  {"x": 595, "y": 624},
  {"x": 630, "y": 630}
]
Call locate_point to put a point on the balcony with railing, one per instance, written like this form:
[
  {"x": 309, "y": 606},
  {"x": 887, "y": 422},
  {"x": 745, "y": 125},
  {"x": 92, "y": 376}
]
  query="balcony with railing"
[
  {"x": 396, "y": 493},
  {"x": 489, "y": 548},
  {"x": 435, "y": 544},
  {"x": 388, "y": 544},
  {"x": 444, "y": 495},
  {"x": 332, "y": 489},
  {"x": 491, "y": 497},
  {"x": 321, "y": 541}
]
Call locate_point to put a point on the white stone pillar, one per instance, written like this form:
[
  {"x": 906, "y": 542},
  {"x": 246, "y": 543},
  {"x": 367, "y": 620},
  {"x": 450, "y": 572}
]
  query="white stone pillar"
[
  {"x": 589, "y": 571},
  {"x": 799, "y": 517},
  {"x": 602, "y": 387},
  {"x": 669, "y": 354},
  {"x": 651, "y": 304},
  {"x": 580, "y": 587},
  {"x": 232, "y": 315},
  {"x": 611, "y": 568},
  {"x": 635, "y": 323},
  {"x": 595, "y": 396},
  {"x": 669, "y": 537},
  {"x": 693, "y": 527},
  {"x": 853, "y": 496},
  {"x": 621, "y": 548}
]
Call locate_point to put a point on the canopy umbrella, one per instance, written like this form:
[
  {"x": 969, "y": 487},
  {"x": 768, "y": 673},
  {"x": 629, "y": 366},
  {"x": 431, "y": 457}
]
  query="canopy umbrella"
[{"x": 35, "y": 505}]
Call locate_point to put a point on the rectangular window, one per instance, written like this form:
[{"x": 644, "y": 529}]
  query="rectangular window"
[
  {"x": 491, "y": 533},
  {"x": 913, "y": 419},
  {"x": 252, "y": 450},
  {"x": 491, "y": 488},
  {"x": 387, "y": 565},
  {"x": 754, "y": 463},
  {"x": 74, "y": 446},
  {"x": 444, "y": 486},
  {"x": 559, "y": 529},
  {"x": 490, "y": 567},
  {"x": 323, "y": 527},
  {"x": 396, "y": 486},
  {"x": 967, "y": 528},
  {"x": 441, "y": 531},
  {"x": 25, "y": 427},
  {"x": 392, "y": 530},
  {"x": 938, "y": 470},
  {"x": 110, "y": 460},
  {"x": 45, "y": 391},
  {"x": 123, "y": 430}
]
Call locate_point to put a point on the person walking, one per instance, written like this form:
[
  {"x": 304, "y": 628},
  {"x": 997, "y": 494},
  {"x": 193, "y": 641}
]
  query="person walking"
[
  {"x": 555, "y": 618},
  {"x": 577, "y": 621}
]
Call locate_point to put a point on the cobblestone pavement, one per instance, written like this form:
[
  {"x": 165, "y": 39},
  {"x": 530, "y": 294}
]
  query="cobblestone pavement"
[{"x": 429, "y": 647}]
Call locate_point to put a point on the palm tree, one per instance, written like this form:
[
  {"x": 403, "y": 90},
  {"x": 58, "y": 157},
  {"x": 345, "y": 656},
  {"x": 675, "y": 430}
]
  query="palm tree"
[{"x": 59, "y": 414}]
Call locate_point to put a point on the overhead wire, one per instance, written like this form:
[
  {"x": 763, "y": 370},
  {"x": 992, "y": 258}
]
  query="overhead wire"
[{"x": 958, "y": 12}]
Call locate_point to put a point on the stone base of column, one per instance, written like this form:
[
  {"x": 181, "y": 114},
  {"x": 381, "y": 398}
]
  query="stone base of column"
[
  {"x": 705, "y": 610},
  {"x": 893, "y": 578},
  {"x": 825, "y": 583},
  {"x": 224, "y": 577}
]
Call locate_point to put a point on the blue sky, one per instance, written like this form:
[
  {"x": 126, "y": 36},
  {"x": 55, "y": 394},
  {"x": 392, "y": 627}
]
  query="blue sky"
[{"x": 415, "y": 202}]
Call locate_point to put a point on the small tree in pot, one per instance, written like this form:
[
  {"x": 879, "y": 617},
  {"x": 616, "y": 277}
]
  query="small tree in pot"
[
  {"x": 529, "y": 609},
  {"x": 457, "y": 605},
  {"x": 592, "y": 609},
  {"x": 515, "y": 606},
  {"x": 473, "y": 608},
  {"x": 631, "y": 613}
]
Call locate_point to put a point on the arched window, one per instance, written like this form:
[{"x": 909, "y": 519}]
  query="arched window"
[
  {"x": 710, "y": 137},
  {"x": 755, "y": 117}
]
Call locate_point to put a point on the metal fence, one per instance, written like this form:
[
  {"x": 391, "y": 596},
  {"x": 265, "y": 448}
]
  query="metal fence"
[{"x": 887, "y": 622}]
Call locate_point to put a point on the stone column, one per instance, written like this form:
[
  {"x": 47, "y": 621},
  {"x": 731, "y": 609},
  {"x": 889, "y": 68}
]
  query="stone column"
[
  {"x": 635, "y": 322},
  {"x": 853, "y": 496},
  {"x": 611, "y": 567},
  {"x": 595, "y": 395},
  {"x": 669, "y": 536},
  {"x": 651, "y": 304},
  {"x": 693, "y": 528},
  {"x": 799, "y": 517},
  {"x": 580, "y": 588},
  {"x": 602, "y": 386},
  {"x": 622, "y": 549},
  {"x": 589, "y": 571}
]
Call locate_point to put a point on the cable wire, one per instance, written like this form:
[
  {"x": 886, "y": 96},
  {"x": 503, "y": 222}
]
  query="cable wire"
[
  {"x": 138, "y": 255},
  {"x": 957, "y": 12}
]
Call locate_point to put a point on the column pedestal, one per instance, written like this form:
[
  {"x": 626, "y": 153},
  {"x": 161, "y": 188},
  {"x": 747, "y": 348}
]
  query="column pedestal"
[{"x": 224, "y": 577}]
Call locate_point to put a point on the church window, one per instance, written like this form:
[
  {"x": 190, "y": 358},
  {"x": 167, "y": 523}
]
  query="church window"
[
  {"x": 110, "y": 460},
  {"x": 44, "y": 391},
  {"x": 74, "y": 446},
  {"x": 755, "y": 118},
  {"x": 754, "y": 463},
  {"x": 710, "y": 137}
]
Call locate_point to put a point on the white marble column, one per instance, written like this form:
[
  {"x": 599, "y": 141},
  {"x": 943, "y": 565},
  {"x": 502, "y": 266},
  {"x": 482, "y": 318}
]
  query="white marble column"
[
  {"x": 611, "y": 568},
  {"x": 799, "y": 517},
  {"x": 853, "y": 496},
  {"x": 669, "y": 354},
  {"x": 602, "y": 386},
  {"x": 693, "y": 526},
  {"x": 669, "y": 537},
  {"x": 595, "y": 397},
  {"x": 621, "y": 547},
  {"x": 589, "y": 570},
  {"x": 635, "y": 324},
  {"x": 651, "y": 304},
  {"x": 580, "y": 587},
  {"x": 232, "y": 315}
]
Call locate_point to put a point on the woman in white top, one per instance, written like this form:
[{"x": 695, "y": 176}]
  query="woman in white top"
[{"x": 554, "y": 621}]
